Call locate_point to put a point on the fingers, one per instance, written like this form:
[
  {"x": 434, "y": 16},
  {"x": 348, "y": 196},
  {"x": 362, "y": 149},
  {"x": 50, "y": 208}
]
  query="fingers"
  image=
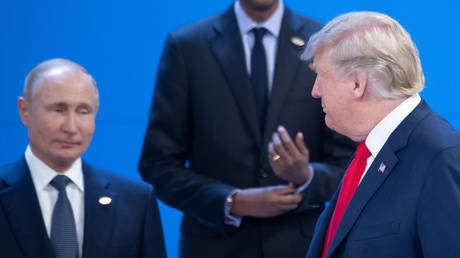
[
  {"x": 267, "y": 201},
  {"x": 285, "y": 203},
  {"x": 271, "y": 152},
  {"x": 288, "y": 143},
  {"x": 282, "y": 189},
  {"x": 300, "y": 144},
  {"x": 280, "y": 150},
  {"x": 285, "y": 195}
]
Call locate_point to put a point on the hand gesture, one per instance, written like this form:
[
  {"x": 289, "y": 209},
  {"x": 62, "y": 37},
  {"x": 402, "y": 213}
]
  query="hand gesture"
[
  {"x": 289, "y": 160},
  {"x": 265, "y": 202}
]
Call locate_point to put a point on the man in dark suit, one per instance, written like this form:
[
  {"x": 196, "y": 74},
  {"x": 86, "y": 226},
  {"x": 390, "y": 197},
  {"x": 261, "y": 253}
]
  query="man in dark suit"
[
  {"x": 53, "y": 204},
  {"x": 224, "y": 86},
  {"x": 400, "y": 196}
]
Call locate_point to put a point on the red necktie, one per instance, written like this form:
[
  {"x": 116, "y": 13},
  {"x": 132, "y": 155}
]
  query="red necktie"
[{"x": 350, "y": 183}]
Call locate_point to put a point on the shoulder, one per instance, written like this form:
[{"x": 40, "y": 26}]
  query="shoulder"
[
  {"x": 305, "y": 24},
  {"x": 197, "y": 27},
  {"x": 12, "y": 172},
  {"x": 7, "y": 169},
  {"x": 199, "y": 30},
  {"x": 121, "y": 184},
  {"x": 305, "y": 20},
  {"x": 436, "y": 134}
]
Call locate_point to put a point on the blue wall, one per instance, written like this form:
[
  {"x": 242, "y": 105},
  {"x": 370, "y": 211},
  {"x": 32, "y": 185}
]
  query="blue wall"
[{"x": 120, "y": 43}]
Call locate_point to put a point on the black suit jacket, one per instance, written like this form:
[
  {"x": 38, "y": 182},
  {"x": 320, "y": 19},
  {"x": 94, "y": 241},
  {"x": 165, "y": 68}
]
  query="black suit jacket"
[
  {"x": 410, "y": 206},
  {"x": 203, "y": 140},
  {"x": 127, "y": 227}
]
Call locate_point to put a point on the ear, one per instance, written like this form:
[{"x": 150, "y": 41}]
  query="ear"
[
  {"x": 360, "y": 84},
  {"x": 23, "y": 107}
]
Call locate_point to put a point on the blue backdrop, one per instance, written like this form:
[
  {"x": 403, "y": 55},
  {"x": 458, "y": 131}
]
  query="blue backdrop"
[{"x": 120, "y": 43}]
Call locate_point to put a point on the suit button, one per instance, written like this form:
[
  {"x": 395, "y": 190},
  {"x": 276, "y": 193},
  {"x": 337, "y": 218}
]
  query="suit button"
[{"x": 263, "y": 173}]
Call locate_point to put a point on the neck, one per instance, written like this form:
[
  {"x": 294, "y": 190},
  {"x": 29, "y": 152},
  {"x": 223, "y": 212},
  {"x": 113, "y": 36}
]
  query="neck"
[
  {"x": 372, "y": 115},
  {"x": 258, "y": 12},
  {"x": 59, "y": 166}
]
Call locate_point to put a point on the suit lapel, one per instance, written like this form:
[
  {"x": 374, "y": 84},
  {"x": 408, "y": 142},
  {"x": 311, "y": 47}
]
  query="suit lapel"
[
  {"x": 99, "y": 218},
  {"x": 228, "y": 50},
  {"x": 20, "y": 204},
  {"x": 316, "y": 245},
  {"x": 376, "y": 174},
  {"x": 366, "y": 189},
  {"x": 286, "y": 67}
]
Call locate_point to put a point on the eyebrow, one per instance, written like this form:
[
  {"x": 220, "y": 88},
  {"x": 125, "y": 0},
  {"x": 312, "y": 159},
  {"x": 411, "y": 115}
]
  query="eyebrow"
[{"x": 56, "y": 104}]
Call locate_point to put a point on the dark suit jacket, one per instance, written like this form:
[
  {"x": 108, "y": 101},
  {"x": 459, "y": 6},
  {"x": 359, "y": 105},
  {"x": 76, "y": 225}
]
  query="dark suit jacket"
[
  {"x": 128, "y": 227},
  {"x": 412, "y": 209},
  {"x": 203, "y": 139}
]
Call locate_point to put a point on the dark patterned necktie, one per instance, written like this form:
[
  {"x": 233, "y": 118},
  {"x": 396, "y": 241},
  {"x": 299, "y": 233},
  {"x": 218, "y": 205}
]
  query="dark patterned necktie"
[
  {"x": 63, "y": 230},
  {"x": 259, "y": 76}
]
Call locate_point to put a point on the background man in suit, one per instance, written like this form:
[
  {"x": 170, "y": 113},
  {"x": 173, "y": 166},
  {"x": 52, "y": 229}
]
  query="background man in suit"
[
  {"x": 52, "y": 204},
  {"x": 400, "y": 196},
  {"x": 223, "y": 86}
]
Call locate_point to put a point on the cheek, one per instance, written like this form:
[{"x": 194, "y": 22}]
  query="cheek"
[
  {"x": 45, "y": 124},
  {"x": 87, "y": 126}
]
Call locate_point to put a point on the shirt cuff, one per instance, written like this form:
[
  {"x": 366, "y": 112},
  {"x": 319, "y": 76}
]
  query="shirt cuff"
[
  {"x": 231, "y": 219},
  {"x": 307, "y": 183}
]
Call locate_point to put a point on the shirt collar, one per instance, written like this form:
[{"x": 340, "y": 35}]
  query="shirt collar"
[
  {"x": 42, "y": 174},
  {"x": 246, "y": 24},
  {"x": 382, "y": 131}
]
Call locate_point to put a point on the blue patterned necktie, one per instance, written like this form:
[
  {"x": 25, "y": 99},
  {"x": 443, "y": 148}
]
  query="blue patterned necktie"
[
  {"x": 259, "y": 75},
  {"x": 63, "y": 230}
]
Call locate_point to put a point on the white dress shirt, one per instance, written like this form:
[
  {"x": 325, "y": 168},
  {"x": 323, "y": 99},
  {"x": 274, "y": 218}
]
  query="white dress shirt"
[
  {"x": 47, "y": 195},
  {"x": 382, "y": 131},
  {"x": 270, "y": 40}
]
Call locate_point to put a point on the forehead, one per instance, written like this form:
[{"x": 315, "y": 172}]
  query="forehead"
[
  {"x": 322, "y": 65},
  {"x": 65, "y": 86}
]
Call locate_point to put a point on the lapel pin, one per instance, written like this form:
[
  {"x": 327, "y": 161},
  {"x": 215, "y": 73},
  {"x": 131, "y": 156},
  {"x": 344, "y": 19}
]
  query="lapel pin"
[
  {"x": 298, "y": 41},
  {"x": 382, "y": 167},
  {"x": 104, "y": 200}
]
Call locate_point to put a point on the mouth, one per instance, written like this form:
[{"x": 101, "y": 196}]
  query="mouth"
[{"x": 67, "y": 143}]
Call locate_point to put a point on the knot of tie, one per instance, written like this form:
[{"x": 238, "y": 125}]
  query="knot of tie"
[
  {"x": 60, "y": 182},
  {"x": 362, "y": 153},
  {"x": 259, "y": 33}
]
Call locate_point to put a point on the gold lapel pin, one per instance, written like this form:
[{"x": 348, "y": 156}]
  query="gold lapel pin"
[
  {"x": 298, "y": 41},
  {"x": 104, "y": 200}
]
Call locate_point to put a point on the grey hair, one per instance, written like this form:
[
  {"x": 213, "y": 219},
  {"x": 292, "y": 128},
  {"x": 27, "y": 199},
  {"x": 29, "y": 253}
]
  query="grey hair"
[
  {"x": 35, "y": 76},
  {"x": 375, "y": 44}
]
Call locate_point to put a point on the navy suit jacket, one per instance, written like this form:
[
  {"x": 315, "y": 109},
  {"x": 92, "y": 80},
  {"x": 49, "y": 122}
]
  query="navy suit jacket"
[
  {"x": 127, "y": 227},
  {"x": 203, "y": 140},
  {"x": 412, "y": 208}
]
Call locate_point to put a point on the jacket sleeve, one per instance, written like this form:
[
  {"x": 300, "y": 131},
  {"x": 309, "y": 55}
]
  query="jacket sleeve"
[
  {"x": 168, "y": 142},
  {"x": 153, "y": 245}
]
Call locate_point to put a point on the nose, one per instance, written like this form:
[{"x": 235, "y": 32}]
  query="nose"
[
  {"x": 70, "y": 124},
  {"x": 315, "y": 91}
]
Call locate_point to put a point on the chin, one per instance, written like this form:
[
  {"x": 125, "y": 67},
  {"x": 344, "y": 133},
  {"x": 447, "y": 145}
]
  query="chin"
[
  {"x": 328, "y": 122},
  {"x": 67, "y": 155}
]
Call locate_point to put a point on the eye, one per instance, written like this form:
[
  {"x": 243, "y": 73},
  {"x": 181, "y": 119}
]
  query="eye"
[
  {"x": 58, "y": 110},
  {"x": 84, "y": 110}
]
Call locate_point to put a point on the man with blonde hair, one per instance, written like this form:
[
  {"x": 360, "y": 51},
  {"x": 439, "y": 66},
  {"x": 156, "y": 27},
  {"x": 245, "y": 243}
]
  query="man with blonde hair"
[{"x": 400, "y": 196}]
